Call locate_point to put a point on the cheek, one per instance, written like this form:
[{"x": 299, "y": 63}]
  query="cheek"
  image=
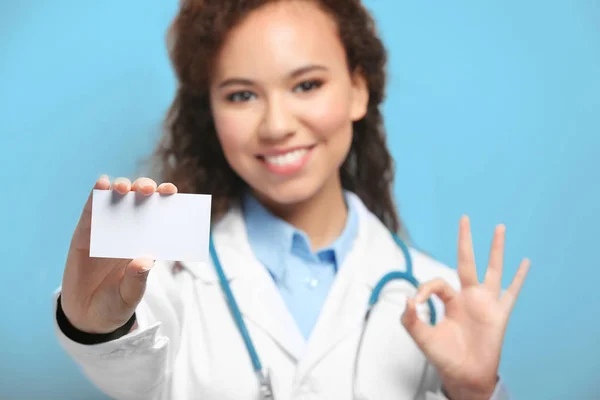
[
  {"x": 233, "y": 133},
  {"x": 329, "y": 118},
  {"x": 329, "y": 114}
]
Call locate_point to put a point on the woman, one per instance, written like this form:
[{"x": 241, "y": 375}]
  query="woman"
[{"x": 278, "y": 117}]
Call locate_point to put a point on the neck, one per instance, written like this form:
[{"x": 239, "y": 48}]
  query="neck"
[{"x": 308, "y": 215}]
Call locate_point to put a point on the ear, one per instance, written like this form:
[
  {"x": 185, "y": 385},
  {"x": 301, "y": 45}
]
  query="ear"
[{"x": 360, "y": 96}]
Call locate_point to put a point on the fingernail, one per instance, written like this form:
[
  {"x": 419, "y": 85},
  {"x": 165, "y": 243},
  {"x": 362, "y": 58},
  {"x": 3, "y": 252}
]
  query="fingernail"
[
  {"x": 145, "y": 269},
  {"x": 104, "y": 177},
  {"x": 120, "y": 181}
]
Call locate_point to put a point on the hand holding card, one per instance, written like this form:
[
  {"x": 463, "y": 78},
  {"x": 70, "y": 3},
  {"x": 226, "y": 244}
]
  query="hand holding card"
[{"x": 104, "y": 281}]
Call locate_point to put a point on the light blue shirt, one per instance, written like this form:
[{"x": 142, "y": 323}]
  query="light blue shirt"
[{"x": 304, "y": 277}]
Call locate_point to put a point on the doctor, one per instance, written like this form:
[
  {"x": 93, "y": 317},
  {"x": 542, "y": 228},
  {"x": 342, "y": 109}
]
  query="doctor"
[{"x": 278, "y": 117}]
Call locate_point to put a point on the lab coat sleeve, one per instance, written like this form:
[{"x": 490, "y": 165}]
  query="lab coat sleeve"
[{"x": 137, "y": 365}]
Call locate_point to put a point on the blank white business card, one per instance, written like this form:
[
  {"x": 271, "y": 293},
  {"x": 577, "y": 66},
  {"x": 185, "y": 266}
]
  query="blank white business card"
[{"x": 164, "y": 227}]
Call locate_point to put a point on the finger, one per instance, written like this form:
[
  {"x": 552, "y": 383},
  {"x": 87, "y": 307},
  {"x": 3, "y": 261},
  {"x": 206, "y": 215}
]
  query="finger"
[
  {"x": 166, "y": 188},
  {"x": 439, "y": 287},
  {"x": 493, "y": 275},
  {"x": 417, "y": 329},
  {"x": 133, "y": 283},
  {"x": 146, "y": 186},
  {"x": 122, "y": 185},
  {"x": 466, "y": 259},
  {"x": 81, "y": 236},
  {"x": 509, "y": 298}
]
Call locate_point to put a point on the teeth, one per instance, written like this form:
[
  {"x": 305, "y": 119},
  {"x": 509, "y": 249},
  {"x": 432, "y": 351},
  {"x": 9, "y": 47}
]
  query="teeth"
[{"x": 287, "y": 158}]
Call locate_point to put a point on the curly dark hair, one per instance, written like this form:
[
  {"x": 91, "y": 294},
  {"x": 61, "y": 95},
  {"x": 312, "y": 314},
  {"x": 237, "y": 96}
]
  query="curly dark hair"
[{"x": 189, "y": 154}]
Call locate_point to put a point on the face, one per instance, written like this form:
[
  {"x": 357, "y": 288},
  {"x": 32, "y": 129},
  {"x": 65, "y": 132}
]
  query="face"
[{"x": 283, "y": 101}]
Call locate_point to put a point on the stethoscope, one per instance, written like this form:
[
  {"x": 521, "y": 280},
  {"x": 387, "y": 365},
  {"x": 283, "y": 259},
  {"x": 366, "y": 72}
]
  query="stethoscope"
[{"x": 264, "y": 379}]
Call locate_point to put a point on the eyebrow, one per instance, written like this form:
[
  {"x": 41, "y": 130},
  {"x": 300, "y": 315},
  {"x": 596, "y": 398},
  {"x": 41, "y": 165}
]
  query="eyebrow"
[{"x": 294, "y": 74}]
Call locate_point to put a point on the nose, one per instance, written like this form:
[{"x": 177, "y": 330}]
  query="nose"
[{"x": 277, "y": 121}]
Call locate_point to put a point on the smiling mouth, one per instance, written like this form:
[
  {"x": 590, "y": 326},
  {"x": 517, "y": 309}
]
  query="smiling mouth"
[
  {"x": 287, "y": 162},
  {"x": 288, "y": 158}
]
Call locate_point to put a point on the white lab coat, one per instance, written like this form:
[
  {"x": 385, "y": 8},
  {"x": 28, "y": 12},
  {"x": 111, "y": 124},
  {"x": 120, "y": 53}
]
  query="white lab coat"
[{"x": 187, "y": 345}]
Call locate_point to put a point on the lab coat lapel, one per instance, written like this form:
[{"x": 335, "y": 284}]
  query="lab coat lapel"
[
  {"x": 341, "y": 314},
  {"x": 373, "y": 254},
  {"x": 255, "y": 292}
]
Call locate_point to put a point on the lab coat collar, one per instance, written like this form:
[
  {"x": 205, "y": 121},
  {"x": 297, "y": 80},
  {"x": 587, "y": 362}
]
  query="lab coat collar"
[{"x": 373, "y": 254}]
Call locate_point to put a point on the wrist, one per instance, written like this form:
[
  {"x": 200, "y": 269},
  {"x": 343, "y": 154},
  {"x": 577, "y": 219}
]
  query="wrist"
[
  {"x": 464, "y": 391},
  {"x": 84, "y": 337},
  {"x": 86, "y": 322}
]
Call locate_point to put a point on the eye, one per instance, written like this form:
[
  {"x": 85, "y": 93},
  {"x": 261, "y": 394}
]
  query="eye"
[
  {"x": 241, "y": 96},
  {"x": 308, "y": 86}
]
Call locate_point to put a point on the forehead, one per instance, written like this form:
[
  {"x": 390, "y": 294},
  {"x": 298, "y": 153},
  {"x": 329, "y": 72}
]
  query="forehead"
[{"x": 278, "y": 37}]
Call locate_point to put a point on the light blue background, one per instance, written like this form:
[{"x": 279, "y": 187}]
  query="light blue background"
[{"x": 493, "y": 110}]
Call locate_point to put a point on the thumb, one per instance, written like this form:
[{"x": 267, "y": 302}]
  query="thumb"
[
  {"x": 133, "y": 283},
  {"x": 81, "y": 236}
]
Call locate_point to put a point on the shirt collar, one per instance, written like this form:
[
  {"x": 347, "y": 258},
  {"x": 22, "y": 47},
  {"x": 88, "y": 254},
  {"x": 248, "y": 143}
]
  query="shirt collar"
[{"x": 272, "y": 238}]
